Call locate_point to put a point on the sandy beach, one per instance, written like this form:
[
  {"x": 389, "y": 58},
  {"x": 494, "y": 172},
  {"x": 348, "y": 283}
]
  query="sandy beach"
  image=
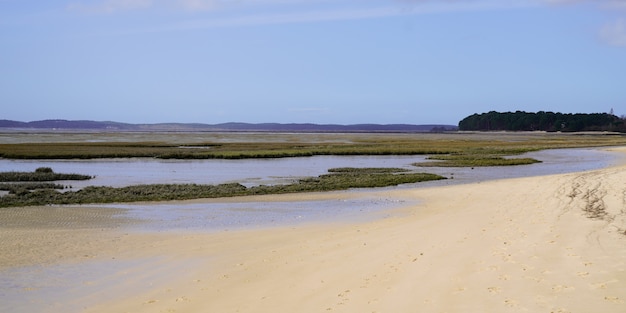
[{"x": 540, "y": 244}]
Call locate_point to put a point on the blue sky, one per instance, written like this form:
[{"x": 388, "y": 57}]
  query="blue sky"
[{"x": 314, "y": 61}]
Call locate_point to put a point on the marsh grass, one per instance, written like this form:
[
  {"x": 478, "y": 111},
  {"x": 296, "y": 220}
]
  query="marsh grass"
[
  {"x": 474, "y": 161},
  {"x": 271, "y": 145},
  {"x": 24, "y": 188},
  {"x": 367, "y": 170},
  {"x": 39, "y": 175},
  {"x": 345, "y": 179}
]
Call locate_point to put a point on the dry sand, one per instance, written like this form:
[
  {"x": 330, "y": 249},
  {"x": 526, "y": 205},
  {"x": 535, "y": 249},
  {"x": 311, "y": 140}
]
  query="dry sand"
[{"x": 541, "y": 244}]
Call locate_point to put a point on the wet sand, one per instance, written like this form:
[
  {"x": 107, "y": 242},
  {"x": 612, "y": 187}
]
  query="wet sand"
[{"x": 553, "y": 243}]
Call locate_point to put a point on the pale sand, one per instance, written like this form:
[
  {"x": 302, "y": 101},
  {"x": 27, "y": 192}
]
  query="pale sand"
[{"x": 519, "y": 245}]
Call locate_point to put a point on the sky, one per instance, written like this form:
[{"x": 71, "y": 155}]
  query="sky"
[{"x": 309, "y": 61}]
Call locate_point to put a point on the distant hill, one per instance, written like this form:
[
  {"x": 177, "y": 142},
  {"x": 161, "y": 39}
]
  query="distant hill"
[{"x": 243, "y": 127}]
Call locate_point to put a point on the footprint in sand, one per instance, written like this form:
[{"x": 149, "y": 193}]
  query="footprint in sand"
[
  {"x": 344, "y": 297},
  {"x": 562, "y": 288},
  {"x": 510, "y": 302},
  {"x": 494, "y": 290},
  {"x": 534, "y": 278},
  {"x": 613, "y": 299},
  {"x": 459, "y": 290}
]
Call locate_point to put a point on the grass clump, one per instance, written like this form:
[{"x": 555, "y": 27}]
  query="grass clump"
[
  {"x": 351, "y": 180},
  {"x": 366, "y": 170},
  {"x": 39, "y": 175},
  {"x": 23, "y": 188},
  {"x": 475, "y": 161}
]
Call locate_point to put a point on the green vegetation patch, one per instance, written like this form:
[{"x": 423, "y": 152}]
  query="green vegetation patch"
[
  {"x": 39, "y": 175},
  {"x": 475, "y": 161},
  {"x": 347, "y": 179},
  {"x": 23, "y": 188},
  {"x": 367, "y": 170},
  {"x": 238, "y": 146}
]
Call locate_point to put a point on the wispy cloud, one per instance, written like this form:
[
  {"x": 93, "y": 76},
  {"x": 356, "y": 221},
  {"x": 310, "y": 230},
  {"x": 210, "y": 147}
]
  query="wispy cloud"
[
  {"x": 615, "y": 33},
  {"x": 564, "y": 1},
  {"x": 110, "y": 6},
  {"x": 338, "y": 14},
  {"x": 198, "y": 5},
  {"x": 115, "y": 6},
  {"x": 287, "y": 18},
  {"x": 242, "y": 13},
  {"x": 605, "y": 4},
  {"x": 616, "y": 4},
  {"x": 612, "y": 33}
]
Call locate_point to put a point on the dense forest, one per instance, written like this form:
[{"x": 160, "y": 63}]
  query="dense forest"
[{"x": 543, "y": 121}]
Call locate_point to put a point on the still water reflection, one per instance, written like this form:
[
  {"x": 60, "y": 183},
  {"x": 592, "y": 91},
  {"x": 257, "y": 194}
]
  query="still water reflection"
[
  {"x": 229, "y": 215},
  {"x": 249, "y": 172},
  {"x": 125, "y": 172}
]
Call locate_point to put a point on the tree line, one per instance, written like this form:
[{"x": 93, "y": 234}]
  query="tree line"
[{"x": 543, "y": 121}]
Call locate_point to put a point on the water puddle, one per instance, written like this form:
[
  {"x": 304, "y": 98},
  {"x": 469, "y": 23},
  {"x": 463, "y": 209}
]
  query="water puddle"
[
  {"x": 74, "y": 287},
  {"x": 221, "y": 216}
]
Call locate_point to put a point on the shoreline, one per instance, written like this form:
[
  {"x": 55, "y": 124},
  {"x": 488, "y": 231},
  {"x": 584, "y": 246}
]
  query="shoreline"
[
  {"x": 521, "y": 244},
  {"x": 243, "y": 212},
  {"x": 125, "y": 172}
]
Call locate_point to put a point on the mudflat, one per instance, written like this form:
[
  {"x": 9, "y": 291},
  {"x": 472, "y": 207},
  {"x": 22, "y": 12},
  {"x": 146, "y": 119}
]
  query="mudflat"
[{"x": 552, "y": 243}]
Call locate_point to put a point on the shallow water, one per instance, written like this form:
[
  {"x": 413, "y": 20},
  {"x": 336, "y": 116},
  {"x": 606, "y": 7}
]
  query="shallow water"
[
  {"x": 214, "y": 216},
  {"x": 220, "y": 216},
  {"x": 74, "y": 287},
  {"x": 557, "y": 161},
  {"x": 250, "y": 172},
  {"x": 125, "y": 172}
]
